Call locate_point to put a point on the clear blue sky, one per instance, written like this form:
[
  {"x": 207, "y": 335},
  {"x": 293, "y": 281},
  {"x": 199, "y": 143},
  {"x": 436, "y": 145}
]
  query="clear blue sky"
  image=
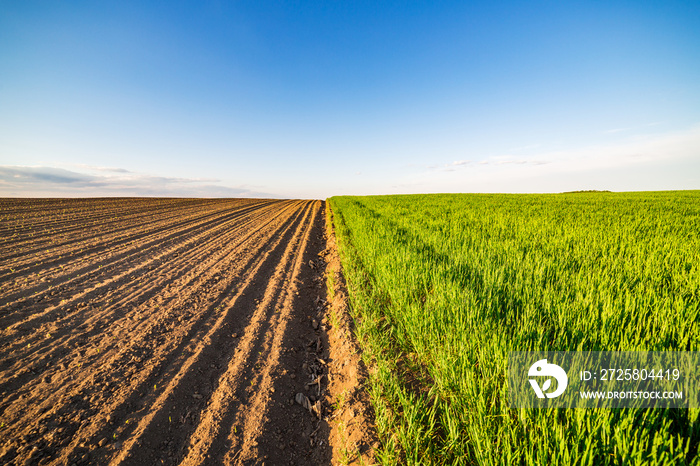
[{"x": 314, "y": 99}]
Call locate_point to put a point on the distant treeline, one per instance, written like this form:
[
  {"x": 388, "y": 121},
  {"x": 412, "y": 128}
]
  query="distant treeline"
[{"x": 587, "y": 191}]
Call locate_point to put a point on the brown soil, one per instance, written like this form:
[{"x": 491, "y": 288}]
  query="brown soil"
[
  {"x": 353, "y": 436},
  {"x": 173, "y": 331}
]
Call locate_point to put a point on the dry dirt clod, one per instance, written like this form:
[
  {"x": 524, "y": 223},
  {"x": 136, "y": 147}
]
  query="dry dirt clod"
[
  {"x": 313, "y": 408},
  {"x": 301, "y": 399}
]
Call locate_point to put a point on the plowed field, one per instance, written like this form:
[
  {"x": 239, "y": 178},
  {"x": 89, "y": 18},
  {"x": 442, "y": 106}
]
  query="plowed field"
[{"x": 160, "y": 331}]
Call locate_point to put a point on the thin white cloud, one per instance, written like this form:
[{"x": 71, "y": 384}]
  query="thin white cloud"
[
  {"x": 18, "y": 181},
  {"x": 102, "y": 169},
  {"x": 499, "y": 161},
  {"x": 650, "y": 162},
  {"x": 458, "y": 165}
]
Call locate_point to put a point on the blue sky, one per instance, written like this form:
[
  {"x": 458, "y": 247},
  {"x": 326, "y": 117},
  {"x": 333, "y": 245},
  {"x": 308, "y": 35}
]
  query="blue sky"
[{"x": 314, "y": 99}]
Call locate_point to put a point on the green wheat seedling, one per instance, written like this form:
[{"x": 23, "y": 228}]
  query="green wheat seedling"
[
  {"x": 340, "y": 401},
  {"x": 442, "y": 287}
]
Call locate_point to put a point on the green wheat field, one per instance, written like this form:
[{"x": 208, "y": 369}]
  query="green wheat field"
[{"x": 442, "y": 287}]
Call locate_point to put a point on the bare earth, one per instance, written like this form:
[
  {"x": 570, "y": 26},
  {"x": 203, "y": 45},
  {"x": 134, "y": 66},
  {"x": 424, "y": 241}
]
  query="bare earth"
[{"x": 174, "y": 331}]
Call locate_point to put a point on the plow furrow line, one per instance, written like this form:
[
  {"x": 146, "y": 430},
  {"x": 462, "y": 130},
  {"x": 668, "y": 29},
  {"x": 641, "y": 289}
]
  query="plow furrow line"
[
  {"x": 251, "y": 419},
  {"x": 98, "y": 219},
  {"x": 142, "y": 342},
  {"x": 83, "y": 275},
  {"x": 224, "y": 406},
  {"x": 152, "y": 234},
  {"x": 238, "y": 302},
  {"x": 136, "y": 292},
  {"x": 164, "y": 343}
]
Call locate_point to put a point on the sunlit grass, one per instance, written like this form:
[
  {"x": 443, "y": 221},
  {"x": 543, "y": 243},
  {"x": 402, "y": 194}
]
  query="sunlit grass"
[{"x": 442, "y": 287}]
